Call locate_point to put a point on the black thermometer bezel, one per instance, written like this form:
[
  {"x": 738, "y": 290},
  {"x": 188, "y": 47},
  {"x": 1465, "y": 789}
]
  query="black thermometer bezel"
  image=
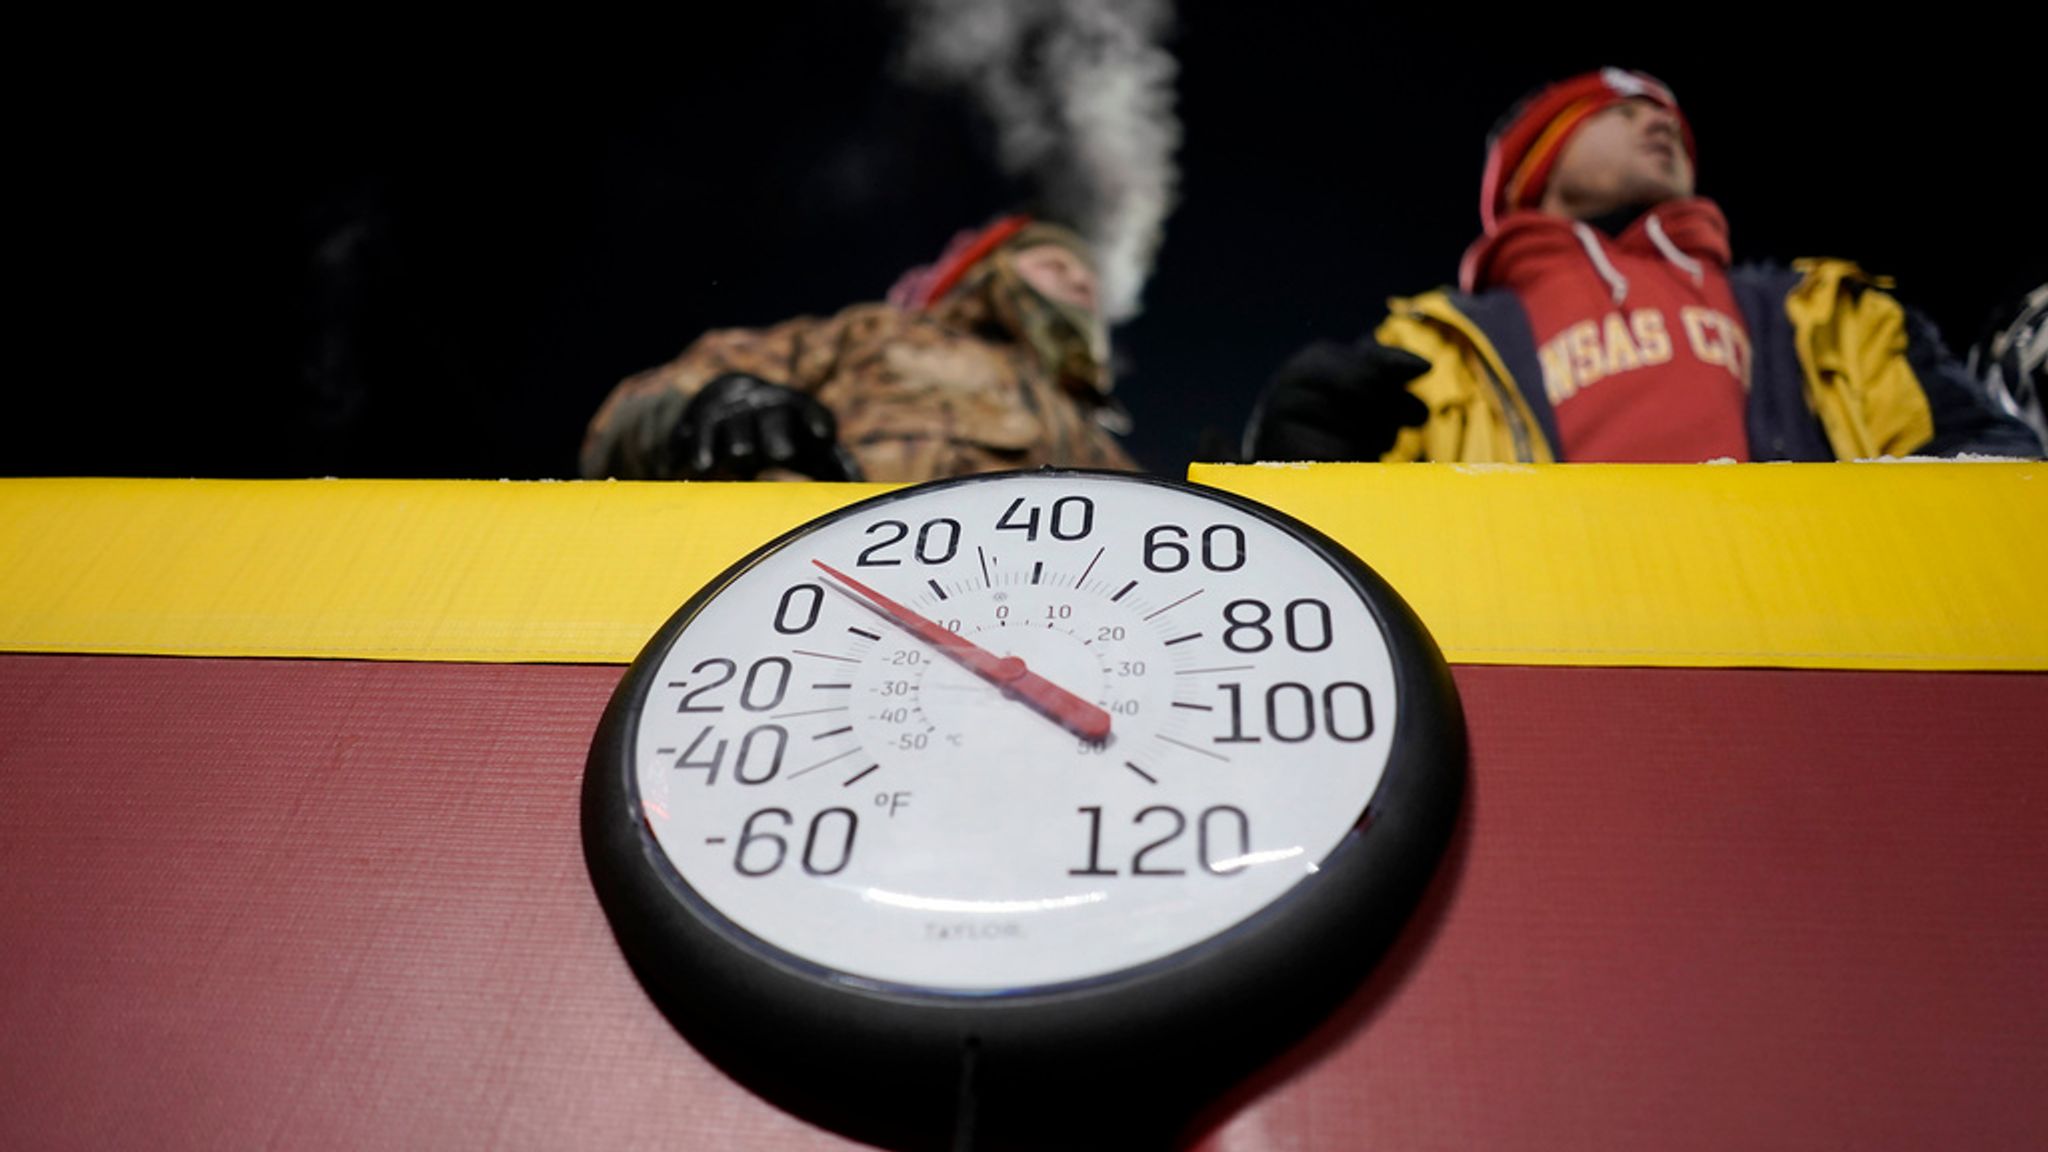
[{"x": 907, "y": 1066}]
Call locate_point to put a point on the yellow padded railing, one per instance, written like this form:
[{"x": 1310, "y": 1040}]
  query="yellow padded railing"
[{"x": 1911, "y": 565}]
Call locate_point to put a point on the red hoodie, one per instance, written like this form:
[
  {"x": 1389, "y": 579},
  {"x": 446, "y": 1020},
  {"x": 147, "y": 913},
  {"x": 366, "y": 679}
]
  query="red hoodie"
[{"x": 1643, "y": 350}]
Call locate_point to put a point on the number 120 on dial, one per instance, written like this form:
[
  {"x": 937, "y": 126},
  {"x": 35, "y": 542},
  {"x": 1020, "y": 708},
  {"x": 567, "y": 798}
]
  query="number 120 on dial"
[{"x": 1016, "y": 732}]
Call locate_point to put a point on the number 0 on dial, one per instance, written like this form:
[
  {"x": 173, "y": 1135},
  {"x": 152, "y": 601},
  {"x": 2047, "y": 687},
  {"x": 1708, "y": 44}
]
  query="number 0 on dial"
[{"x": 1022, "y": 771}]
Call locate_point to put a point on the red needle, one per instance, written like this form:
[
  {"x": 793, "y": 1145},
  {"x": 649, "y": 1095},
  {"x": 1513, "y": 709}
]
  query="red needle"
[{"x": 1007, "y": 672}]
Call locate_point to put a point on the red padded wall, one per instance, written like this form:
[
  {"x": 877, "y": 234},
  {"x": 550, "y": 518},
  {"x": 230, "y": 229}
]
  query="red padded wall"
[{"x": 315, "y": 905}]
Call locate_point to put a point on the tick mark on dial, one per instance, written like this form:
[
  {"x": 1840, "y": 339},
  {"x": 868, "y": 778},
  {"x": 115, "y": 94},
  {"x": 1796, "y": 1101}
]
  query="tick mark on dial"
[
  {"x": 822, "y": 763},
  {"x": 1149, "y": 778},
  {"x": 1123, "y": 591},
  {"x": 1193, "y": 748},
  {"x": 1090, "y": 567},
  {"x": 1177, "y": 603},
  {"x": 810, "y": 712}
]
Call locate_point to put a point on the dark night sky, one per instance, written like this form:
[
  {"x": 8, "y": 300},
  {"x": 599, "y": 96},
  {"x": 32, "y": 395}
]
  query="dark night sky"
[{"x": 403, "y": 255}]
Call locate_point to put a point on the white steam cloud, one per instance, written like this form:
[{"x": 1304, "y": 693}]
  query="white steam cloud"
[{"x": 1081, "y": 93}]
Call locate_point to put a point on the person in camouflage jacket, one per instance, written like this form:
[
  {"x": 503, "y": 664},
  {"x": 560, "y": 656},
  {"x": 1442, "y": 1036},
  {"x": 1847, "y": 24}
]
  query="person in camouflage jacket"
[{"x": 995, "y": 357}]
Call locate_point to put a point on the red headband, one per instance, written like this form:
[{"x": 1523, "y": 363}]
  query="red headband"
[
  {"x": 1521, "y": 153},
  {"x": 922, "y": 287}
]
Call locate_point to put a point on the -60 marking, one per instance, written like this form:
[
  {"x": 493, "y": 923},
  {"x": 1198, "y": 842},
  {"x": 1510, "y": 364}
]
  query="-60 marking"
[{"x": 1049, "y": 702}]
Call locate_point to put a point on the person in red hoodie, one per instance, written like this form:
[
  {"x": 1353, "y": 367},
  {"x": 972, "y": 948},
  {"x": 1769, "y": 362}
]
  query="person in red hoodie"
[{"x": 1598, "y": 318}]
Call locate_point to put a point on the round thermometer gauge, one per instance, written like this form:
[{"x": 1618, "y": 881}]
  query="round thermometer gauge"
[{"x": 1072, "y": 782}]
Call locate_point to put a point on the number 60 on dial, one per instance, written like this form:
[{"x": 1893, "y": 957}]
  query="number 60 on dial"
[{"x": 1039, "y": 782}]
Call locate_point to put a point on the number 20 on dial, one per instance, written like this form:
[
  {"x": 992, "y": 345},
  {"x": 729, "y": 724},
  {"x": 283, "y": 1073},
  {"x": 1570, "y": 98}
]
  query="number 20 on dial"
[{"x": 1030, "y": 735}]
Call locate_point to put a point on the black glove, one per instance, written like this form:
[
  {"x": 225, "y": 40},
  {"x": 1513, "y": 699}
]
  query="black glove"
[
  {"x": 1336, "y": 402},
  {"x": 739, "y": 425}
]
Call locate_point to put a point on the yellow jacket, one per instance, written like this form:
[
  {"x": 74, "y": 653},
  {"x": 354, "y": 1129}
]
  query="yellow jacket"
[{"x": 1841, "y": 371}]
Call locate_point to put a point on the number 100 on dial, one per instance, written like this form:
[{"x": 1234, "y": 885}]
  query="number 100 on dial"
[{"x": 1015, "y": 732}]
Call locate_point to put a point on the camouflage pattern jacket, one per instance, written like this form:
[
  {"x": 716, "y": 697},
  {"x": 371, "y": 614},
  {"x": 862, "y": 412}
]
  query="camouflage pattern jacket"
[{"x": 918, "y": 396}]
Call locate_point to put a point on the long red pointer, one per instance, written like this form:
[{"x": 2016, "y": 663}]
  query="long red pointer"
[{"x": 1006, "y": 672}]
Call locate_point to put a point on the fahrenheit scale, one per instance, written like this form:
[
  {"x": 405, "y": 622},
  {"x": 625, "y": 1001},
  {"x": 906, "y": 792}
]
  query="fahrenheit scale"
[{"x": 1053, "y": 782}]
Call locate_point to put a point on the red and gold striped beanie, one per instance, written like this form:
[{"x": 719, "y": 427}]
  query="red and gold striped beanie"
[{"x": 1524, "y": 146}]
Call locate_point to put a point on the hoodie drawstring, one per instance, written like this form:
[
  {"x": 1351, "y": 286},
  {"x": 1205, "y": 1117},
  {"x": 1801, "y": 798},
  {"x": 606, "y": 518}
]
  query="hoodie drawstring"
[
  {"x": 1608, "y": 272},
  {"x": 1686, "y": 264}
]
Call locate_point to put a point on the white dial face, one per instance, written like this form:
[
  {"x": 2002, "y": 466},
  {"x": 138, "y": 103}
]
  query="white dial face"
[{"x": 1016, "y": 732}]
